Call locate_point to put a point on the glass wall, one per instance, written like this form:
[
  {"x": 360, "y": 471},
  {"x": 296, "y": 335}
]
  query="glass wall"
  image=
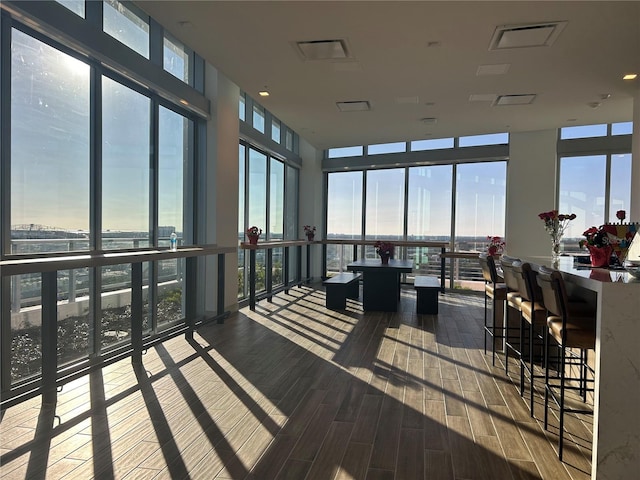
[
  {"x": 96, "y": 163},
  {"x": 594, "y": 187},
  {"x": 268, "y": 192},
  {"x": 416, "y": 203}
]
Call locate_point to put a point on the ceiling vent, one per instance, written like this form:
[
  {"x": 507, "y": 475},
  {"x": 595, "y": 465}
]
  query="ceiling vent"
[
  {"x": 520, "y": 99},
  {"x": 354, "y": 106},
  {"x": 323, "y": 49},
  {"x": 521, "y": 36}
]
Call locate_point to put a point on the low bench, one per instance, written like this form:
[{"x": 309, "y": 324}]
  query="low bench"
[
  {"x": 427, "y": 289},
  {"x": 340, "y": 287}
]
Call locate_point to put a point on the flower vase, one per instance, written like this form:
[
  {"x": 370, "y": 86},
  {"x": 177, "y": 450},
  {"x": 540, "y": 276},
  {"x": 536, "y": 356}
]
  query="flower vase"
[
  {"x": 555, "y": 247},
  {"x": 600, "y": 256},
  {"x": 310, "y": 236},
  {"x": 385, "y": 259},
  {"x": 253, "y": 238}
]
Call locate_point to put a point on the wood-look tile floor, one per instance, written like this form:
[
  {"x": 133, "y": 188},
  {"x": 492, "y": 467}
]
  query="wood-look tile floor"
[{"x": 296, "y": 391}]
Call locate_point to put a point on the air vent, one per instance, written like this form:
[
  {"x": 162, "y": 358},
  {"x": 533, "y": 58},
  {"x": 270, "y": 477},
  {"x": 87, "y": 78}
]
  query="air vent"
[
  {"x": 522, "y": 36},
  {"x": 520, "y": 99},
  {"x": 323, "y": 49},
  {"x": 354, "y": 106}
]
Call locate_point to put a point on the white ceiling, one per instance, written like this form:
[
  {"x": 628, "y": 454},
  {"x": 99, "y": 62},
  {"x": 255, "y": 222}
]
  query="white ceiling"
[{"x": 252, "y": 43}]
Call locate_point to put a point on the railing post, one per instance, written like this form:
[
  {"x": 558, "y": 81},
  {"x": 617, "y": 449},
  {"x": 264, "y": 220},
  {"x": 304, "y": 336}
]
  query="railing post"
[
  {"x": 442, "y": 269},
  {"x": 252, "y": 278},
  {"x": 189, "y": 290},
  {"x": 299, "y": 265},
  {"x": 268, "y": 273},
  {"x": 72, "y": 278},
  {"x": 221, "y": 268},
  {"x": 285, "y": 272},
  {"x": 49, "y": 336},
  {"x": 136, "y": 313}
]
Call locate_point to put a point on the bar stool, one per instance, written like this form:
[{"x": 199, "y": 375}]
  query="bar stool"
[
  {"x": 570, "y": 331},
  {"x": 513, "y": 299},
  {"x": 533, "y": 322},
  {"x": 496, "y": 290}
]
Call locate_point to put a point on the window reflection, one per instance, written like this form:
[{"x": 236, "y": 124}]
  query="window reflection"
[{"x": 128, "y": 27}]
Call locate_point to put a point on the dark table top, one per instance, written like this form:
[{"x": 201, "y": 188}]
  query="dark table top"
[{"x": 375, "y": 265}]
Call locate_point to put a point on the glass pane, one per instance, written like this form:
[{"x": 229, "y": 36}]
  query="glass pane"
[
  {"x": 176, "y": 59},
  {"x": 356, "y": 151},
  {"x": 385, "y": 204},
  {"x": 125, "y": 26},
  {"x": 490, "y": 139},
  {"x": 275, "y": 131},
  {"x": 583, "y": 131},
  {"x": 241, "y": 107},
  {"x": 258, "y": 118},
  {"x": 582, "y": 191},
  {"x": 624, "y": 128},
  {"x": 288, "y": 140},
  {"x": 277, "y": 277},
  {"x": 620, "y": 186},
  {"x": 73, "y": 315},
  {"x": 344, "y": 205},
  {"x": 257, "y": 197},
  {"x": 436, "y": 143},
  {"x": 241, "y": 227},
  {"x": 26, "y": 326},
  {"x": 173, "y": 158},
  {"x": 170, "y": 288},
  {"x": 276, "y": 200},
  {"x": 49, "y": 113},
  {"x": 291, "y": 204},
  {"x": 76, "y": 6},
  {"x": 429, "y": 209},
  {"x": 480, "y": 203},
  {"x": 125, "y": 167},
  {"x": 380, "y": 148},
  {"x": 115, "y": 315}
]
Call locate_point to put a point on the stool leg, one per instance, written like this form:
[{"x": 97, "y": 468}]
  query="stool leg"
[
  {"x": 521, "y": 364},
  {"x": 546, "y": 379},
  {"x": 562, "y": 379},
  {"x": 531, "y": 378}
]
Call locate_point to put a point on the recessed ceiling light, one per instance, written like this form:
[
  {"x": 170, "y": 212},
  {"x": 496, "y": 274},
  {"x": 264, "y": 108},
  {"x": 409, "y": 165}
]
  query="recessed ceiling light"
[
  {"x": 483, "y": 97},
  {"x": 407, "y": 100},
  {"x": 323, "y": 49},
  {"x": 498, "y": 69},
  {"x": 630, "y": 76},
  {"x": 263, "y": 93},
  {"x": 183, "y": 101},
  {"x": 354, "y": 106},
  {"x": 526, "y": 35},
  {"x": 519, "y": 99}
]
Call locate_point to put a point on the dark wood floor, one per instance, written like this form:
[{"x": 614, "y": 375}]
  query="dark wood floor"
[{"x": 295, "y": 391}]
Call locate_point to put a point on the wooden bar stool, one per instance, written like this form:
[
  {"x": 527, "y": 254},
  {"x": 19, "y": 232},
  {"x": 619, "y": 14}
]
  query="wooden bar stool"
[
  {"x": 496, "y": 290},
  {"x": 513, "y": 304},
  {"x": 533, "y": 322},
  {"x": 570, "y": 329}
]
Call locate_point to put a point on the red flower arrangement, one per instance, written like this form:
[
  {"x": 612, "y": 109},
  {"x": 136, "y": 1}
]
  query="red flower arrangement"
[
  {"x": 621, "y": 215},
  {"x": 384, "y": 248},
  {"x": 556, "y": 223},
  {"x": 254, "y": 231},
  {"x": 495, "y": 245}
]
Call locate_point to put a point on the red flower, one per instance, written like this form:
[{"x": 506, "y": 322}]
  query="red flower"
[{"x": 621, "y": 215}]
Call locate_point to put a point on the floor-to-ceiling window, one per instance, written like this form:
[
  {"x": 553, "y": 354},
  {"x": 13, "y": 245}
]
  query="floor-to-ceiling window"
[
  {"x": 593, "y": 186},
  {"x": 268, "y": 193},
  {"x": 92, "y": 161},
  {"x": 417, "y": 202}
]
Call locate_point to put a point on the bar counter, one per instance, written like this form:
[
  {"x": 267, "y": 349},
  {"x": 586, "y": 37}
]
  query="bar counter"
[{"x": 616, "y": 422}]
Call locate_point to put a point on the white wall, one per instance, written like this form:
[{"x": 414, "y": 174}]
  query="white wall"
[
  {"x": 310, "y": 199},
  {"x": 531, "y": 180}
]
